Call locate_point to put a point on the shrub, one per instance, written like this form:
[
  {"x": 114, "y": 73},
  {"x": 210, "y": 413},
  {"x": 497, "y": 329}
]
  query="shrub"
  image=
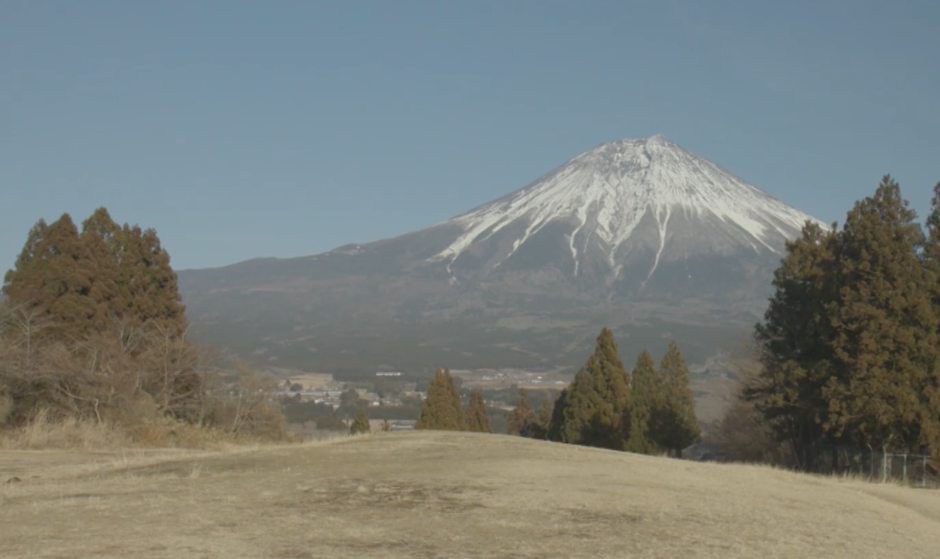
[{"x": 360, "y": 424}]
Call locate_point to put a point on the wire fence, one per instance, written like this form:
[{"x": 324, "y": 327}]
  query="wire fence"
[{"x": 881, "y": 465}]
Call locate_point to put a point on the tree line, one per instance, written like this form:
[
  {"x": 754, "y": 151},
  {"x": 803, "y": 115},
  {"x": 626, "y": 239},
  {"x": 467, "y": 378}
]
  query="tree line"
[
  {"x": 649, "y": 412},
  {"x": 443, "y": 410},
  {"x": 92, "y": 326},
  {"x": 849, "y": 347}
]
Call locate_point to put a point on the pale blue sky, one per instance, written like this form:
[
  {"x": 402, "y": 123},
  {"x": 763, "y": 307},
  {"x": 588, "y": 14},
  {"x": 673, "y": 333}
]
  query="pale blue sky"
[{"x": 240, "y": 129}]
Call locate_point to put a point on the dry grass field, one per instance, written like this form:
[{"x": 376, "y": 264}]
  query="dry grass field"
[{"x": 421, "y": 494}]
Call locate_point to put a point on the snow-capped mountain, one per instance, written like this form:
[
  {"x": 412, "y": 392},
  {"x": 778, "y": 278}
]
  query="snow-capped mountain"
[
  {"x": 623, "y": 199},
  {"x": 640, "y": 235}
]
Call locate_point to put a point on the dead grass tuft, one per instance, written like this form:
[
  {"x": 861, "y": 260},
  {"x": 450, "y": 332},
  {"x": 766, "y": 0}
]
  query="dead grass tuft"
[
  {"x": 166, "y": 432},
  {"x": 43, "y": 433}
]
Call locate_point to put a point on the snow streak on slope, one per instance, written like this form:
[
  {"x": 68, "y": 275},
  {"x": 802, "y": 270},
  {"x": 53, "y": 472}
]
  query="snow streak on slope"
[
  {"x": 662, "y": 239},
  {"x": 607, "y": 191}
]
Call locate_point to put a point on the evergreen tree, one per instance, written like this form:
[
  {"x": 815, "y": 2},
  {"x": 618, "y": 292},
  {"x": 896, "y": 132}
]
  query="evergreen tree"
[
  {"x": 86, "y": 281},
  {"x": 442, "y": 409},
  {"x": 75, "y": 283},
  {"x": 849, "y": 343},
  {"x": 931, "y": 395},
  {"x": 360, "y": 424},
  {"x": 477, "y": 419},
  {"x": 100, "y": 224},
  {"x": 558, "y": 417},
  {"x": 932, "y": 242},
  {"x": 104, "y": 240},
  {"x": 545, "y": 414},
  {"x": 54, "y": 274},
  {"x": 793, "y": 342},
  {"x": 150, "y": 286},
  {"x": 23, "y": 284},
  {"x": 147, "y": 285},
  {"x": 105, "y": 286},
  {"x": 886, "y": 340},
  {"x": 523, "y": 420},
  {"x": 675, "y": 425},
  {"x": 647, "y": 397},
  {"x": 595, "y": 409}
]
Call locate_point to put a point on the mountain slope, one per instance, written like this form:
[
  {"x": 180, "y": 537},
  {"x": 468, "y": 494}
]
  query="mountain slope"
[
  {"x": 631, "y": 193},
  {"x": 640, "y": 235}
]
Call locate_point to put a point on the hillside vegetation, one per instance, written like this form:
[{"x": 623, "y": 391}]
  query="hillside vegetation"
[
  {"x": 445, "y": 494},
  {"x": 93, "y": 334}
]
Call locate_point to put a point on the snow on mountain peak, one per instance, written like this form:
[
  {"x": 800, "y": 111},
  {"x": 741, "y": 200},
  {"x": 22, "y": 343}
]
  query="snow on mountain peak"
[{"x": 607, "y": 192}]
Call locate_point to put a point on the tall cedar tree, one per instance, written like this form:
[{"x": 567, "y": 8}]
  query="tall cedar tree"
[
  {"x": 71, "y": 282},
  {"x": 545, "y": 414},
  {"x": 55, "y": 274},
  {"x": 360, "y": 424},
  {"x": 674, "y": 424},
  {"x": 885, "y": 342},
  {"x": 595, "y": 409},
  {"x": 523, "y": 420},
  {"x": 442, "y": 409},
  {"x": 931, "y": 254},
  {"x": 147, "y": 286},
  {"x": 557, "y": 421},
  {"x": 476, "y": 417},
  {"x": 105, "y": 289},
  {"x": 849, "y": 343},
  {"x": 793, "y": 342},
  {"x": 646, "y": 394},
  {"x": 84, "y": 282}
]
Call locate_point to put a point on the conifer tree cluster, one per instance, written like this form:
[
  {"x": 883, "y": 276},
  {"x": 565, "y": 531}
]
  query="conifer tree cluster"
[
  {"x": 476, "y": 416},
  {"x": 442, "y": 409},
  {"x": 605, "y": 407},
  {"x": 84, "y": 282},
  {"x": 523, "y": 420},
  {"x": 92, "y": 328},
  {"x": 849, "y": 345},
  {"x": 595, "y": 408}
]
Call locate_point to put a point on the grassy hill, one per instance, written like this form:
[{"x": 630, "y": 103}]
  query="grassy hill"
[{"x": 444, "y": 495}]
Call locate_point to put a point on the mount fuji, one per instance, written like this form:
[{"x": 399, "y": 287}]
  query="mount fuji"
[
  {"x": 622, "y": 208},
  {"x": 637, "y": 234}
]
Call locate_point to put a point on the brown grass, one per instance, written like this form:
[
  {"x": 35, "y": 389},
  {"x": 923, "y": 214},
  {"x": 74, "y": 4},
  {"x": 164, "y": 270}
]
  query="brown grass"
[
  {"x": 426, "y": 494},
  {"x": 41, "y": 432}
]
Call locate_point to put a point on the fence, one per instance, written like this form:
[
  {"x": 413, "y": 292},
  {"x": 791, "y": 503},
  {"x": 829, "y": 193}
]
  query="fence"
[{"x": 877, "y": 465}]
